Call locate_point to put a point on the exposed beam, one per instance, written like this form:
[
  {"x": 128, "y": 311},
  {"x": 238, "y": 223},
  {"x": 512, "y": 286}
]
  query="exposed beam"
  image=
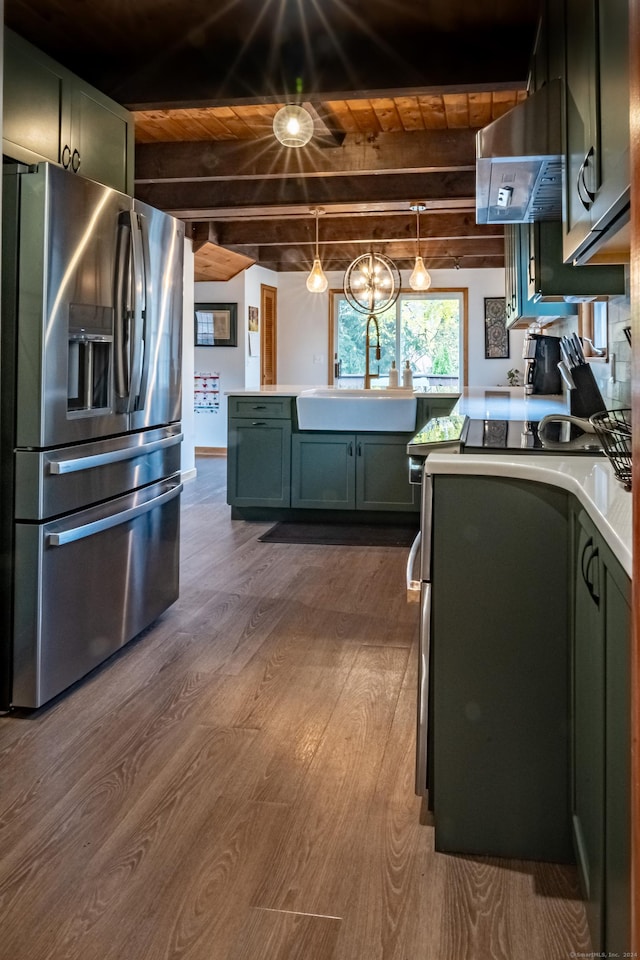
[
  {"x": 199, "y": 201},
  {"x": 346, "y": 229},
  {"x": 206, "y": 161}
]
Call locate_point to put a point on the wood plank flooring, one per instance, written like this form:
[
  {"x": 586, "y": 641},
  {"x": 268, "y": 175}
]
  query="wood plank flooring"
[{"x": 237, "y": 784}]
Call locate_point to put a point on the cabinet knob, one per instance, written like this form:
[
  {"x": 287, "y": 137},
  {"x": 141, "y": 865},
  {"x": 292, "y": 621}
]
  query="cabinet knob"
[
  {"x": 65, "y": 156},
  {"x": 75, "y": 161}
]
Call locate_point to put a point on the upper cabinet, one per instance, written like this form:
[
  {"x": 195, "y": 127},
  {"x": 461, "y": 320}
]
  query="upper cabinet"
[
  {"x": 50, "y": 114},
  {"x": 596, "y": 132}
]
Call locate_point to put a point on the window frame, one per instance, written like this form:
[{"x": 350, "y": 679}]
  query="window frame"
[{"x": 436, "y": 293}]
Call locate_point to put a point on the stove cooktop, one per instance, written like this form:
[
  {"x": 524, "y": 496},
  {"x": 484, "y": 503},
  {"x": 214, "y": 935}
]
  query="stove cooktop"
[{"x": 512, "y": 436}]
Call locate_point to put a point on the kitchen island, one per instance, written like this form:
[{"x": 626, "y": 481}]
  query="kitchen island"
[{"x": 277, "y": 470}]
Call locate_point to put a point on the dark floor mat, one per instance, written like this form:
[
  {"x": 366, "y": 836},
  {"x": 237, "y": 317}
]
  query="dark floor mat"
[{"x": 341, "y": 534}]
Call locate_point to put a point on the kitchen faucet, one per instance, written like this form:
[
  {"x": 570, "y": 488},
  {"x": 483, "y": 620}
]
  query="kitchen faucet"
[{"x": 368, "y": 376}]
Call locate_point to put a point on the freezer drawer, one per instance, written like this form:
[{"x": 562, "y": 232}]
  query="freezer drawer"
[
  {"x": 88, "y": 584},
  {"x": 52, "y": 482}
]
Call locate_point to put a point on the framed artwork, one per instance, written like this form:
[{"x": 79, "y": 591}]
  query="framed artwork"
[
  {"x": 253, "y": 319},
  {"x": 496, "y": 335},
  {"x": 216, "y": 324}
]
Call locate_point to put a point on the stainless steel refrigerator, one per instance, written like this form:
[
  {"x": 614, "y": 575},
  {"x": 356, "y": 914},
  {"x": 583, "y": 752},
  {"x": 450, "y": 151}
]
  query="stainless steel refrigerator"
[{"x": 90, "y": 380}]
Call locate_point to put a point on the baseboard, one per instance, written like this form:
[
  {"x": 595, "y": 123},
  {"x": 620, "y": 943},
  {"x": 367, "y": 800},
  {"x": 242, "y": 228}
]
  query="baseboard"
[
  {"x": 211, "y": 451},
  {"x": 188, "y": 474}
]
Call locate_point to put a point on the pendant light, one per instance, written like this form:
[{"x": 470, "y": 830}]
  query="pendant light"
[
  {"x": 317, "y": 281},
  {"x": 293, "y": 125},
  {"x": 420, "y": 278}
]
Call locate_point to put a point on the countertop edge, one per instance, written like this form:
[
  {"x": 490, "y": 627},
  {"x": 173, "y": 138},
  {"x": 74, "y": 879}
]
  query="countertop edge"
[{"x": 590, "y": 479}]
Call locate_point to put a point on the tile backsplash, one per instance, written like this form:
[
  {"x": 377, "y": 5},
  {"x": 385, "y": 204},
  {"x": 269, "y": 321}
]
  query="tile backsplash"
[{"x": 614, "y": 375}]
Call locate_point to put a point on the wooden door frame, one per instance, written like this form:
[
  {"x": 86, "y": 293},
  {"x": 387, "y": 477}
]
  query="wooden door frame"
[
  {"x": 465, "y": 327},
  {"x": 634, "y": 131},
  {"x": 263, "y": 288}
]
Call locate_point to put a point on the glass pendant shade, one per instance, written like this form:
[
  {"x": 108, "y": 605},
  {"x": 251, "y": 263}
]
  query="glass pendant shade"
[
  {"x": 420, "y": 278},
  {"x": 317, "y": 281},
  {"x": 293, "y": 126}
]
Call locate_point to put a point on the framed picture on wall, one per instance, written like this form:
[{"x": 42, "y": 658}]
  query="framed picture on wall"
[
  {"x": 496, "y": 335},
  {"x": 216, "y": 324},
  {"x": 253, "y": 319}
]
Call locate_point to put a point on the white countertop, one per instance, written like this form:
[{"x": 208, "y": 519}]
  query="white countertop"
[
  {"x": 293, "y": 390},
  {"x": 481, "y": 403},
  {"x": 590, "y": 479},
  {"x": 507, "y": 403}
]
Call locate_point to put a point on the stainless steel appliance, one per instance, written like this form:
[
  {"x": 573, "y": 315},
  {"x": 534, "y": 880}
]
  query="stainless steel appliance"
[
  {"x": 541, "y": 355},
  {"x": 91, "y": 407}
]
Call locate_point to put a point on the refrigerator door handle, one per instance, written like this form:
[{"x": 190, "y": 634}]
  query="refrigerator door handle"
[
  {"x": 422, "y": 730},
  {"x": 122, "y": 296},
  {"x": 147, "y": 299},
  {"x": 106, "y": 523},
  {"x": 78, "y": 464},
  {"x": 413, "y": 586},
  {"x": 137, "y": 338}
]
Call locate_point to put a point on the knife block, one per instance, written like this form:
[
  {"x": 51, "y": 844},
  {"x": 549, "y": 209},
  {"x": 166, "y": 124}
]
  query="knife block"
[{"x": 586, "y": 399}]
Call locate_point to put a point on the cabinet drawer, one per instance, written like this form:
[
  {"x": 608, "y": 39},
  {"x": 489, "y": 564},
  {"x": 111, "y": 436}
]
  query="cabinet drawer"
[{"x": 266, "y": 408}]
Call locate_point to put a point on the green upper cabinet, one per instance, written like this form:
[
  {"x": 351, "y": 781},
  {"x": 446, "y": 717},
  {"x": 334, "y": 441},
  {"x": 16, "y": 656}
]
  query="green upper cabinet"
[
  {"x": 50, "y": 114},
  {"x": 596, "y": 131},
  {"x": 548, "y": 277},
  {"x": 521, "y": 261}
]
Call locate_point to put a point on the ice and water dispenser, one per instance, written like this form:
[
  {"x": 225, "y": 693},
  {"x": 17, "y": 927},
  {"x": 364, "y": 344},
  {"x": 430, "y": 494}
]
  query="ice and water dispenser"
[{"x": 90, "y": 359}]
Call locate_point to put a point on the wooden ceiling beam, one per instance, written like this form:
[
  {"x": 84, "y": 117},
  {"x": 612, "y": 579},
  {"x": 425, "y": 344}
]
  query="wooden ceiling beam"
[
  {"x": 265, "y": 232},
  {"x": 359, "y": 155},
  {"x": 199, "y": 201}
]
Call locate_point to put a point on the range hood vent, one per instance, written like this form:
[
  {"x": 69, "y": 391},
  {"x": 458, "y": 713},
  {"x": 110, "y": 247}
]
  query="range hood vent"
[{"x": 519, "y": 161}]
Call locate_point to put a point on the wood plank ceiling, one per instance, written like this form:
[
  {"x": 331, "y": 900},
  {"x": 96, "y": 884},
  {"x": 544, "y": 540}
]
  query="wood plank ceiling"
[{"x": 396, "y": 92}]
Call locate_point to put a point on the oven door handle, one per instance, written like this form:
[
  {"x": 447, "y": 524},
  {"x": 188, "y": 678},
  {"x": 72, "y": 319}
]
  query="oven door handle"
[
  {"x": 106, "y": 523},
  {"x": 413, "y": 585},
  {"x": 77, "y": 464}
]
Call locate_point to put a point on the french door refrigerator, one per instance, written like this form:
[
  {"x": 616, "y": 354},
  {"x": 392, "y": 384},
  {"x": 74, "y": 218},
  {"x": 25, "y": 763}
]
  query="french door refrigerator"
[{"x": 91, "y": 405}]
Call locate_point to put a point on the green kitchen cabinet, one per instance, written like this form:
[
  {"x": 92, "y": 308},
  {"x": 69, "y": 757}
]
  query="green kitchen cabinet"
[
  {"x": 259, "y": 462},
  {"x": 588, "y": 665},
  {"x": 499, "y": 730},
  {"x": 50, "y": 114},
  {"x": 323, "y": 471},
  {"x": 361, "y": 471},
  {"x": 596, "y": 127},
  {"x": 537, "y": 280},
  {"x": 520, "y": 307},
  {"x": 601, "y": 737}
]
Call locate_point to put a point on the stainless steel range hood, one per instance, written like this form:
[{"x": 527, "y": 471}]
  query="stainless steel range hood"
[{"x": 519, "y": 161}]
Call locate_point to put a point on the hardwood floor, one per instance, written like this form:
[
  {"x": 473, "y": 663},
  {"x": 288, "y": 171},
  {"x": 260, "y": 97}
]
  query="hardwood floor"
[{"x": 237, "y": 784}]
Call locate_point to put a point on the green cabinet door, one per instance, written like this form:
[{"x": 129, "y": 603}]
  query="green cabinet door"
[
  {"x": 32, "y": 95},
  {"x": 588, "y": 666},
  {"x": 323, "y": 471},
  {"x": 50, "y": 114},
  {"x": 259, "y": 463},
  {"x": 617, "y": 865},
  {"x": 101, "y": 137},
  {"x": 382, "y": 473}
]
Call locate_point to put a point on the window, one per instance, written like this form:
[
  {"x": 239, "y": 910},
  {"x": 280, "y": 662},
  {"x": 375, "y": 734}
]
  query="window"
[{"x": 427, "y": 329}]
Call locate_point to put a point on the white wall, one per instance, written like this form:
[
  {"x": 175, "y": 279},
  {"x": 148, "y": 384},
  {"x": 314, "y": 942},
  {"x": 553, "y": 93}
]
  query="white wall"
[
  {"x": 303, "y": 326},
  {"x": 238, "y": 370}
]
